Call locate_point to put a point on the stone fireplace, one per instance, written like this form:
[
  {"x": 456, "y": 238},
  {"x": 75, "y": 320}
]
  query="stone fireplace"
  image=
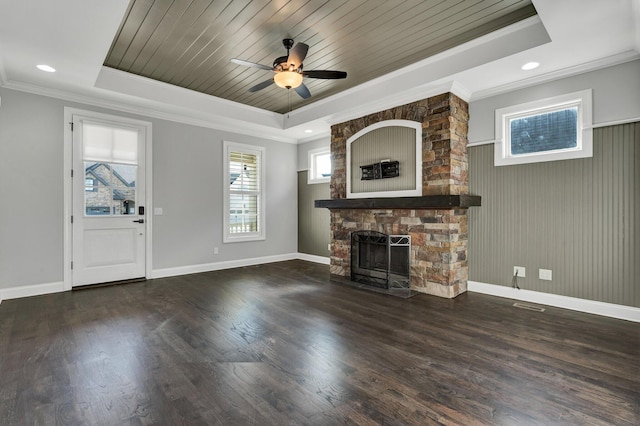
[{"x": 436, "y": 221}]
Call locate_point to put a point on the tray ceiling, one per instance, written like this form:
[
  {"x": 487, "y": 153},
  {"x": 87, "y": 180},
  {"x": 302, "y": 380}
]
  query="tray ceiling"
[{"x": 189, "y": 43}]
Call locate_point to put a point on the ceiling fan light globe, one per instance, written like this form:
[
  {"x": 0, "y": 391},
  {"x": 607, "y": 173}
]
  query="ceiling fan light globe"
[{"x": 288, "y": 79}]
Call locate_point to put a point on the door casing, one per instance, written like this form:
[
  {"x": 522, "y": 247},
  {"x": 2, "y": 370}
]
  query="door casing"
[{"x": 68, "y": 187}]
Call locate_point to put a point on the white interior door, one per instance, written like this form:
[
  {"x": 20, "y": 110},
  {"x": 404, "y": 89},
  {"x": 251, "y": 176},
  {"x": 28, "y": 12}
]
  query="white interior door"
[{"x": 109, "y": 234}]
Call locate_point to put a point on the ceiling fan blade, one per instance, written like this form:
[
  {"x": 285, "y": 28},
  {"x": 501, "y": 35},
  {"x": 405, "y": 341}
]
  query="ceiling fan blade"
[
  {"x": 326, "y": 74},
  {"x": 297, "y": 54},
  {"x": 251, "y": 64},
  {"x": 261, "y": 86},
  {"x": 303, "y": 91}
]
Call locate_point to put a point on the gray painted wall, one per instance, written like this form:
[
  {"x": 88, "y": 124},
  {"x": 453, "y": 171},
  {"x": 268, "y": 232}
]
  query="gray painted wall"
[
  {"x": 616, "y": 96},
  {"x": 187, "y": 184},
  {"x": 578, "y": 218},
  {"x": 313, "y": 224}
]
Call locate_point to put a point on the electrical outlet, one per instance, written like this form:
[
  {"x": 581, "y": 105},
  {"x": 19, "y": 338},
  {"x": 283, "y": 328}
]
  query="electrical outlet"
[
  {"x": 520, "y": 270},
  {"x": 544, "y": 274},
  {"x": 215, "y": 250},
  {"x": 157, "y": 211}
]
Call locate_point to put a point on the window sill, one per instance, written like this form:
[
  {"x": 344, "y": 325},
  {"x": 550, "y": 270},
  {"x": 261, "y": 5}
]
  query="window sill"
[
  {"x": 314, "y": 181},
  {"x": 242, "y": 239}
]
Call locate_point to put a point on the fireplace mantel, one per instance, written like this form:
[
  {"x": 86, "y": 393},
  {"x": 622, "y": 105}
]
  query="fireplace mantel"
[{"x": 426, "y": 202}]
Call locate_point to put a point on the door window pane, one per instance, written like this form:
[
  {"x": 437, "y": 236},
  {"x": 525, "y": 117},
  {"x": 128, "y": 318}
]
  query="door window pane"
[
  {"x": 97, "y": 202},
  {"x": 109, "y": 189},
  {"x": 123, "y": 175}
]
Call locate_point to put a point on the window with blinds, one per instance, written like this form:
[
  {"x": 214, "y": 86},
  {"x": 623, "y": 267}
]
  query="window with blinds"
[{"x": 244, "y": 207}]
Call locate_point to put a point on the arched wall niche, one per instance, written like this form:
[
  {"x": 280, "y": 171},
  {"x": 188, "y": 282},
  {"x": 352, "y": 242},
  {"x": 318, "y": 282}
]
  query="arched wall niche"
[{"x": 393, "y": 140}]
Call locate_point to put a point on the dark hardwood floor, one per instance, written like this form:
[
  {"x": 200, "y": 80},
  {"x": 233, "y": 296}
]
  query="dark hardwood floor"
[{"x": 279, "y": 344}]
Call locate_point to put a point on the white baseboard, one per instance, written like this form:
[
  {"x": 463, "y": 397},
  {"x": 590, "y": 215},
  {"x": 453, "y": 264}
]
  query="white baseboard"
[
  {"x": 207, "y": 267},
  {"x": 30, "y": 290},
  {"x": 628, "y": 313},
  {"x": 40, "y": 289},
  {"x": 313, "y": 258}
]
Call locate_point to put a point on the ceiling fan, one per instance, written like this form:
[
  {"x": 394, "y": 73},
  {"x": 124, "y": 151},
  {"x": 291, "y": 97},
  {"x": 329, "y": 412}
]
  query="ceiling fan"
[{"x": 288, "y": 70}]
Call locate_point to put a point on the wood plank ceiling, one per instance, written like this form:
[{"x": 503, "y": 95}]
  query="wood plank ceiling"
[{"x": 189, "y": 43}]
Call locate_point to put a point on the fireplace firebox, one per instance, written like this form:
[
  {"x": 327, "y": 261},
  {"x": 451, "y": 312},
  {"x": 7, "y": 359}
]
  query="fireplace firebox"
[{"x": 381, "y": 260}]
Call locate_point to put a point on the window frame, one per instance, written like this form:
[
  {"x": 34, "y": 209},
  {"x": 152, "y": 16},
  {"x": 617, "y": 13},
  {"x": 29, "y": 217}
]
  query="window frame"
[
  {"x": 91, "y": 188},
  {"x": 584, "y": 147},
  {"x": 312, "y": 155},
  {"x": 260, "y": 153}
]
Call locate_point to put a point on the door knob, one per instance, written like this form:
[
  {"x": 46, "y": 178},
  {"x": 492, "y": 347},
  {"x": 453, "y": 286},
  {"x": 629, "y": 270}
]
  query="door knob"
[{"x": 139, "y": 221}]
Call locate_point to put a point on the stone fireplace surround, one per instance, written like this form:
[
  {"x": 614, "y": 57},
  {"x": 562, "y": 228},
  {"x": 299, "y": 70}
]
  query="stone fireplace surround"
[{"x": 437, "y": 221}]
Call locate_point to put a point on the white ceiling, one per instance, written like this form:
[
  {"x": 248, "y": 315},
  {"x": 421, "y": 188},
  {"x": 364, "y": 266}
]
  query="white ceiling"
[{"x": 74, "y": 36}]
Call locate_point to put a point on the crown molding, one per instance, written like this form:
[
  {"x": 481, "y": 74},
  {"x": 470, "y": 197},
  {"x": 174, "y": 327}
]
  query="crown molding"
[
  {"x": 240, "y": 127},
  {"x": 595, "y": 65},
  {"x": 132, "y": 84},
  {"x": 398, "y": 99},
  {"x": 317, "y": 137}
]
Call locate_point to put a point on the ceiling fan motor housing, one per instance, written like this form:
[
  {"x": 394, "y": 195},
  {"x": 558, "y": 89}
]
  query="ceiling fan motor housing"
[{"x": 288, "y": 43}]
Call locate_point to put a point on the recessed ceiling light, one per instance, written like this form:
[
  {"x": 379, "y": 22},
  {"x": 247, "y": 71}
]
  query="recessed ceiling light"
[
  {"x": 530, "y": 65},
  {"x": 46, "y": 68},
  {"x": 308, "y": 131}
]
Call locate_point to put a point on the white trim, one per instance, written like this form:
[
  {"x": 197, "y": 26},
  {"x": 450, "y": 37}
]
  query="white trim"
[
  {"x": 68, "y": 186},
  {"x": 313, "y": 258},
  {"x": 176, "y": 117},
  {"x": 601, "y": 63},
  {"x": 57, "y": 287},
  {"x": 67, "y": 207},
  {"x": 417, "y": 191},
  {"x": 31, "y": 290},
  {"x": 261, "y": 153},
  {"x": 216, "y": 266},
  {"x": 582, "y": 100},
  {"x": 616, "y": 122},
  {"x": 320, "y": 135},
  {"x": 623, "y": 312},
  {"x": 480, "y": 143},
  {"x": 384, "y": 103}
]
